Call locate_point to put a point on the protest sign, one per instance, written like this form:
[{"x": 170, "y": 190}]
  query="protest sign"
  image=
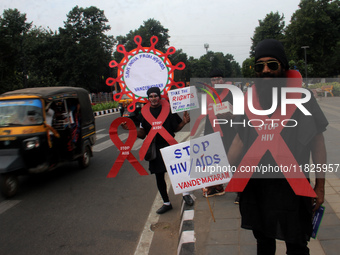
[
  {"x": 141, "y": 69},
  {"x": 196, "y": 164},
  {"x": 183, "y": 99},
  {"x": 224, "y": 107}
]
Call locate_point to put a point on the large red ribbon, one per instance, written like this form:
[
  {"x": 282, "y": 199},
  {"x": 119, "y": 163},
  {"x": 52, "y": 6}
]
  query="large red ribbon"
[
  {"x": 211, "y": 115},
  {"x": 156, "y": 126},
  {"x": 125, "y": 148},
  {"x": 274, "y": 143}
]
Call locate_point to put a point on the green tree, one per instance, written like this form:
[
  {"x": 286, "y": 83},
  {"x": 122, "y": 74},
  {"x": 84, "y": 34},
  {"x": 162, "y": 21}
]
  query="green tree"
[
  {"x": 189, "y": 68},
  {"x": 215, "y": 60},
  {"x": 150, "y": 27},
  {"x": 225, "y": 63},
  {"x": 44, "y": 57},
  {"x": 13, "y": 59},
  {"x": 232, "y": 69},
  {"x": 317, "y": 25},
  {"x": 201, "y": 68},
  {"x": 271, "y": 27},
  {"x": 180, "y": 56},
  {"x": 86, "y": 49},
  {"x": 248, "y": 67},
  {"x": 236, "y": 70}
]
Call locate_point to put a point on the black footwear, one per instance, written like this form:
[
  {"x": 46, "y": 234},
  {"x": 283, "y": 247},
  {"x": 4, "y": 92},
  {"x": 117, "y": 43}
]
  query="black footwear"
[
  {"x": 188, "y": 200},
  {"x": 164, "y": 209}
]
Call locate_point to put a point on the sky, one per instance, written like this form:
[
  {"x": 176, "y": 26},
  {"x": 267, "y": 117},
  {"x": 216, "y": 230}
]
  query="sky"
[{"x": 226, "y": 25}]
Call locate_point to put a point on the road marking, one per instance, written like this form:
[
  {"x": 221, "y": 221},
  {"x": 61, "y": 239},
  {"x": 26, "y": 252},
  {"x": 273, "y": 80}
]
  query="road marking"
[
  {"x": 102, "y": 146},
  {"x": 138, "y": 144},
  {"x": 99, "y": 136},
  {"x": 146, "y": 237},
  {"x": 107, "y": 144},
  {"x": 7, "y": 204}
]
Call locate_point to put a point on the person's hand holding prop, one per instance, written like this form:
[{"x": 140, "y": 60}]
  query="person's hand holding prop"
[
  {"x": 186, "y": 117},
  {"x": 124, "y": 125}
]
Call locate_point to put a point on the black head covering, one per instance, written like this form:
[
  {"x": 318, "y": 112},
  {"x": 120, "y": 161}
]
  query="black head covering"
[
  {"x": 216, "y": 72},
  {"x": 271, "y": 48},
  {"x": 154, "y": 90}
]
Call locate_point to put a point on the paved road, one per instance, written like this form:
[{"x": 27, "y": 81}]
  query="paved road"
[{"x": 72, "y": 211}]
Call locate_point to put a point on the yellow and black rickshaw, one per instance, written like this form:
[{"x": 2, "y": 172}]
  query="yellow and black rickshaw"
[{"x": 42, "y": 128}]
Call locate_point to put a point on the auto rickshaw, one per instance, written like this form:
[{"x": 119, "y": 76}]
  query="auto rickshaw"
[
  {"x": 41, "y": 129},
  {"x": 122, "y": 107}
]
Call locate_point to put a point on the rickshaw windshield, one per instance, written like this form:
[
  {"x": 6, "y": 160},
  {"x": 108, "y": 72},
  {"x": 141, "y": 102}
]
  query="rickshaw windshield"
[{"x": 21, "y": 112}]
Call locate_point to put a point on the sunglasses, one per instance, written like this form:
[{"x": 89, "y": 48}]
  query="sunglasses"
[{"x": 272, "y": 65}]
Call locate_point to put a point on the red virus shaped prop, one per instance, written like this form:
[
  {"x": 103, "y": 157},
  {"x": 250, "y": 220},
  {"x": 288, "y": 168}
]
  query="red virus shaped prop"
[{"x": 142, "y": 68}]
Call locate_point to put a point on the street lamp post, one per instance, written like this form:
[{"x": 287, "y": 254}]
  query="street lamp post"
[
  {"x": 305, "y": 47},
  {"x": 206, "y": 46}
]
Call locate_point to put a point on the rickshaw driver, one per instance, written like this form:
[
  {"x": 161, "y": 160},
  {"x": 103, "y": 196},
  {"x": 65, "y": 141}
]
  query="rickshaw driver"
[
  {"x": 75, "y": 118},
  {"x": 50, "y": 111},
  {"x": 31, "y": 118}
]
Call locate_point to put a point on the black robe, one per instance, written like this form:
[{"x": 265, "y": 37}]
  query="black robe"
[
  {"x": 268, "y": 203},
  {"x": 170, "y": 124}
]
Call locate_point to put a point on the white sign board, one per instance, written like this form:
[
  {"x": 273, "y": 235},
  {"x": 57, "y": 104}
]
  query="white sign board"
[
  {"x": 223, "y": 107},
  {"x": 143, "y": 71},
  {"x": 183, "y": 99},
  {"x": 196, "y": 164}
]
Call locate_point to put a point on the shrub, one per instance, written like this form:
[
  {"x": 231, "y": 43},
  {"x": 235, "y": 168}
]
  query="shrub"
[{"x": 104, "y": 106}]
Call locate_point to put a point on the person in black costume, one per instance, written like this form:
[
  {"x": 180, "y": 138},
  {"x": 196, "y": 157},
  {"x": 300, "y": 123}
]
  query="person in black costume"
[
  {"x": 172, "y": 124},
  {"x": 216, "y": 77},
  {"x": 268, "y": 205}
]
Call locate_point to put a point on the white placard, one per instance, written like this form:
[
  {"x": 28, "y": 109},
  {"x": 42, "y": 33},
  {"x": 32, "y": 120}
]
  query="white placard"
[
  {"x": 196, "y": 164},
  {"x": 183, "y": 99},
  {"x": 223, "y": 107},
  {"x": 143, "y": 71}
]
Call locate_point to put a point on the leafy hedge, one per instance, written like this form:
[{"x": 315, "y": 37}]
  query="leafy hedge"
[
  {"x": 104, "y": 106},
  {"x": 336, "y": 87}
]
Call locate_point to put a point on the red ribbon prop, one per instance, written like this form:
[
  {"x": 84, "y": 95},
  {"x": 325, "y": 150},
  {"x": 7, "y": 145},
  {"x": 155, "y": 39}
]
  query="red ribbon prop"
[
  {"x": 274, "y": 143},
  {"x": 125, "y": 148},
  {"x": 211, "y": 114},
  {"x": 156, "y": 126}
]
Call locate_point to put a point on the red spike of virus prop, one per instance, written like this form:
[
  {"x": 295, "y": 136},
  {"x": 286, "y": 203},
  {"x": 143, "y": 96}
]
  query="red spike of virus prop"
[{"x": 142, "y": 68}]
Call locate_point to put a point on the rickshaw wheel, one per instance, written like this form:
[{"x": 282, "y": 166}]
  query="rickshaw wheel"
[
  {"x": 84, "y": 160},
  {"x": 9, "y": 185}
]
